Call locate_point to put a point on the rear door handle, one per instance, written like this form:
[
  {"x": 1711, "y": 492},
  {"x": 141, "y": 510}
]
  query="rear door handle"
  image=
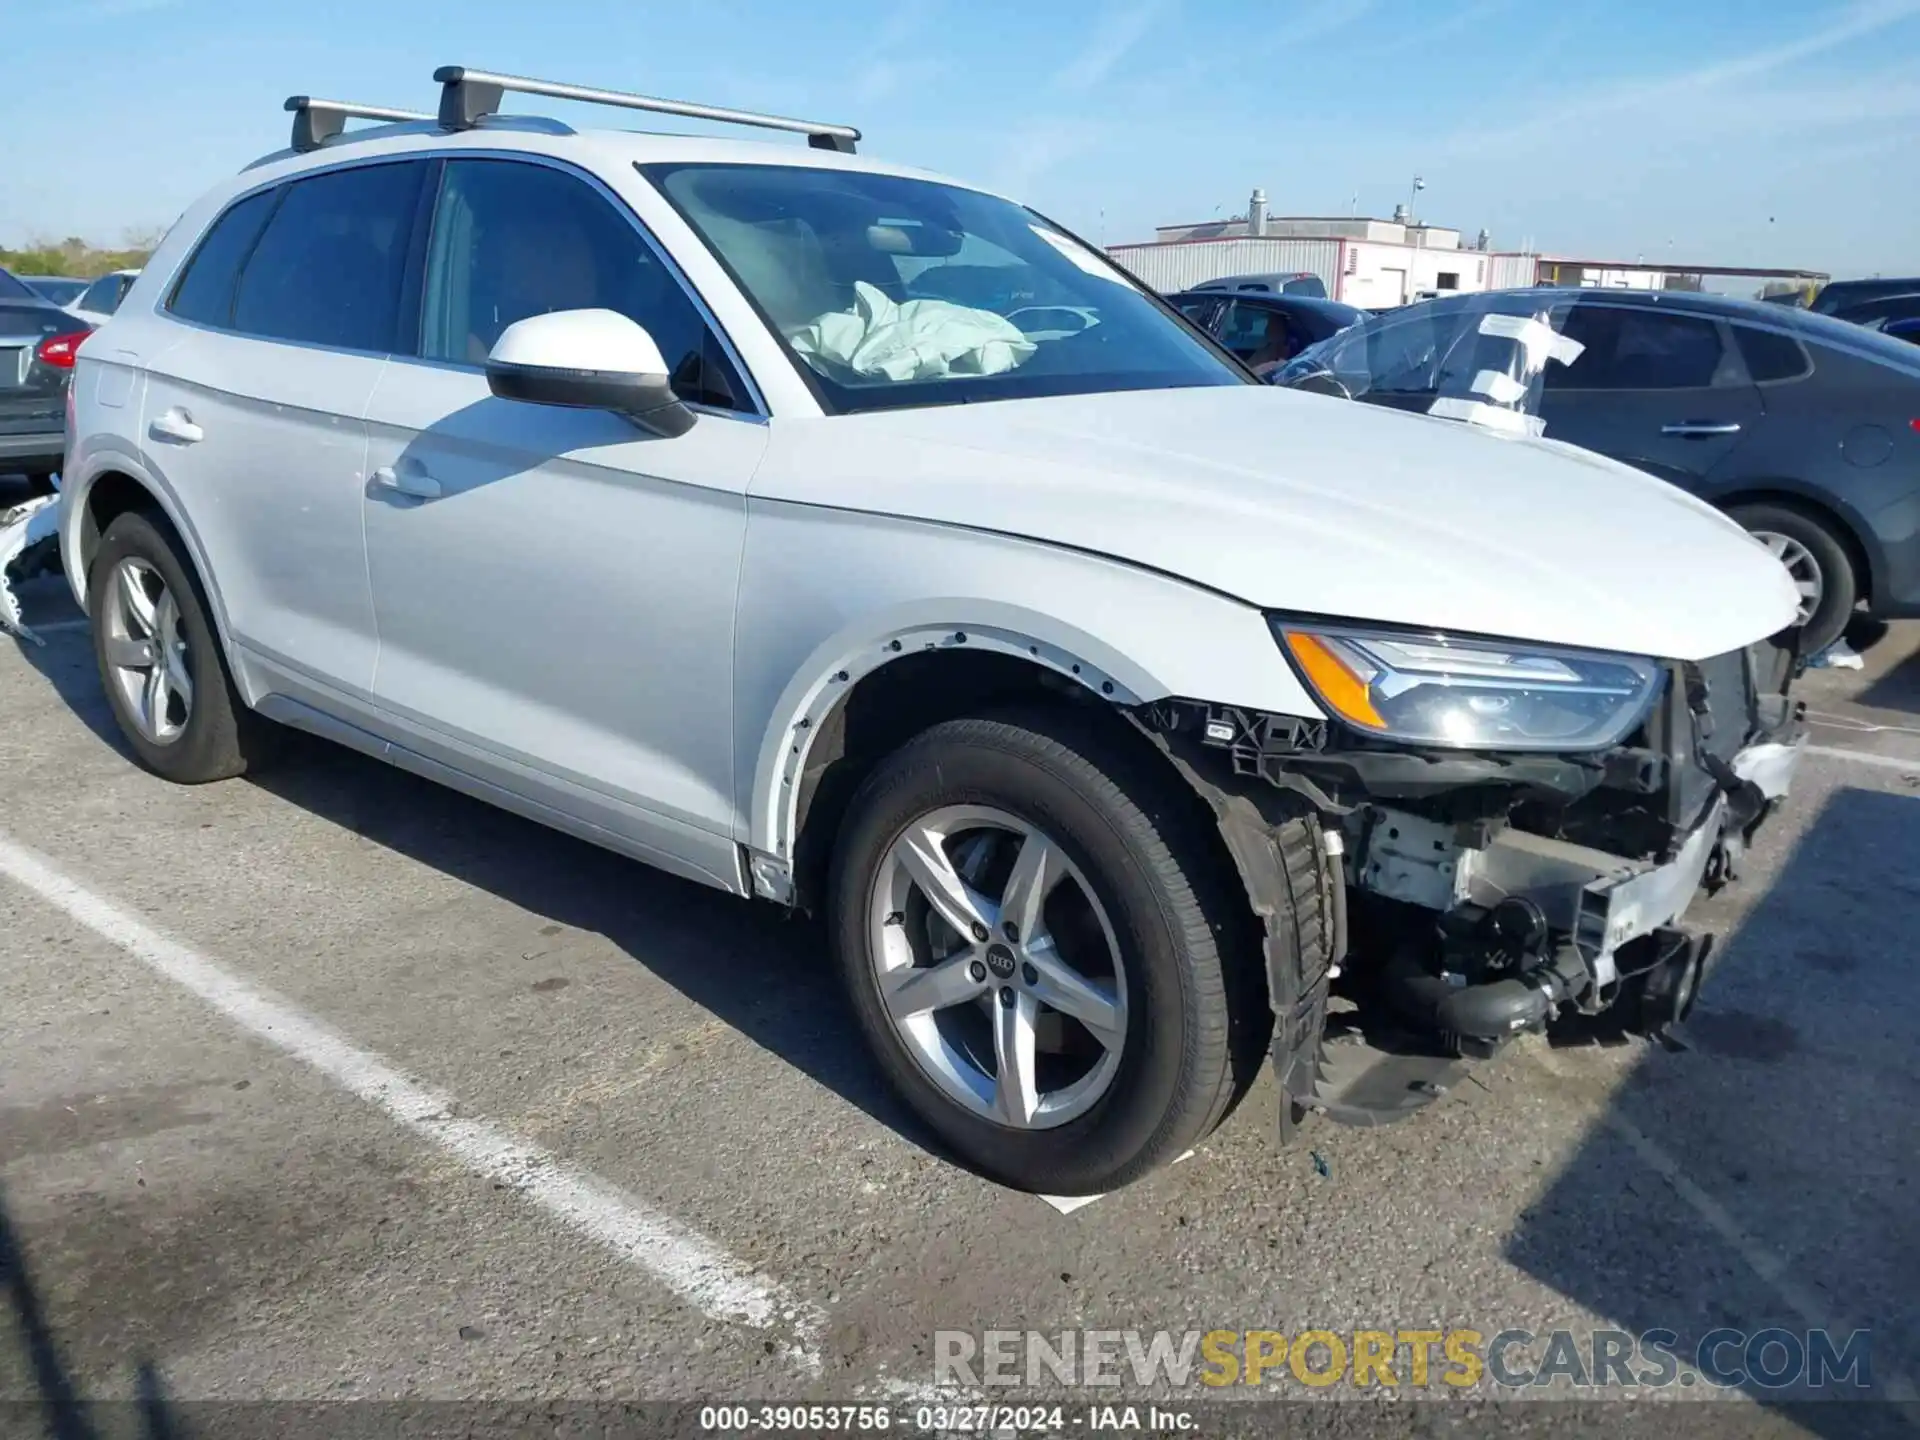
[
  {"x": 407, "y": 480},
  {"x": 176, "y": 424},
  {"x": 1701, "y": 429}
]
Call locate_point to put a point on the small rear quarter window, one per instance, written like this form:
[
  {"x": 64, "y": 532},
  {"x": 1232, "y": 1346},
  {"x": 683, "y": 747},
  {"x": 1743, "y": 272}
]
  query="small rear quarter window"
[
  {"x": 204, "y": 293},
  {"x": 1771, "y": 355}
]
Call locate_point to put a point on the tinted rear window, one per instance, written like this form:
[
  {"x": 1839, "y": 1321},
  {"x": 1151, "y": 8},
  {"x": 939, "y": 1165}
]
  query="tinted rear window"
[
  {"x": 1638, "y": 348},
  {"x": 327, "y": 270},
  {"x": 12, "y": 289},
  {"x": 205, "y": 291},
  {"x": 1771, "y": 355}
]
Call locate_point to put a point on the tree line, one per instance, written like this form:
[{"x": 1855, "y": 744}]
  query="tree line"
[{"x": 79, "y": 258}]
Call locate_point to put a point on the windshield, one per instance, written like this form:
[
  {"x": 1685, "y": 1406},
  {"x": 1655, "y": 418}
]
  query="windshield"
[{"x": 894, "y": 292}]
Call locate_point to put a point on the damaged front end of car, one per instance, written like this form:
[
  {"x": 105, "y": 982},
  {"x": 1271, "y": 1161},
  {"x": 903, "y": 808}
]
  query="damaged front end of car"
[{"x": 1516, "y": 831}]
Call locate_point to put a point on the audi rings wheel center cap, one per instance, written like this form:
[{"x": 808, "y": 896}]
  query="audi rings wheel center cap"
[{"x": 1001, "y": 962}]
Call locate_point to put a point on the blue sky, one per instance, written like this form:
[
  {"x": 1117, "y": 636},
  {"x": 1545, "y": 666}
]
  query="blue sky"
[{"x": 1755, "y": 132}]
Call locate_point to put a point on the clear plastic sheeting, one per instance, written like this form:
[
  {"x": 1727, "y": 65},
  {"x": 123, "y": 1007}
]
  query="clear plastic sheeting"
[
  {"x": 1479, "y": 359},
  {"x": 29, "y": 536},
  {"x": 920, "y": 340}
]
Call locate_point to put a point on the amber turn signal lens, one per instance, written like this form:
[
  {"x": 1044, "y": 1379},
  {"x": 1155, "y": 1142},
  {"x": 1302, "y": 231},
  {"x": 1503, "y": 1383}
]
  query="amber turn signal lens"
[{"x": 1334, "y": 679}]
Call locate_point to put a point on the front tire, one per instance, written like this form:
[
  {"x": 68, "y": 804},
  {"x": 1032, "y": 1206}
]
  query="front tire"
[
  {"x": 1033, "y": 930},
  {"x": 1818, "y": 561},
  {"x": 160, "y": 659}
]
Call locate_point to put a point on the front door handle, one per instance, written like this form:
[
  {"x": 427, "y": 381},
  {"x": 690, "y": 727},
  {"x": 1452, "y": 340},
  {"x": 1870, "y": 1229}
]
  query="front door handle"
[
  {"x": 407, "y": 480},
  {"x": 177, "y": 425},
  {"x": 1701, "y": 429}
]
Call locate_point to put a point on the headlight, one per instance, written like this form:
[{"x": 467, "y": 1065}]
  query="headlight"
[{"x": 1476, "y": 695}]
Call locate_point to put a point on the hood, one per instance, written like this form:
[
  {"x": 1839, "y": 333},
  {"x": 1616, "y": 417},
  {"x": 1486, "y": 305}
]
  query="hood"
[{"x": 1302, "y": 503}]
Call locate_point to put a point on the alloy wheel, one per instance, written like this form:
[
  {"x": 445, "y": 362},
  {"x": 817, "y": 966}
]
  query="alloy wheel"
[
  {"x": 1801, "y": 565},
  {"x": 146, "y": 651},
  {"x": 998, "y": 967}
]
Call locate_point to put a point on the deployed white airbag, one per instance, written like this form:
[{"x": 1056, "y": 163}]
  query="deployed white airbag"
[{"x": 920, "y": 340}]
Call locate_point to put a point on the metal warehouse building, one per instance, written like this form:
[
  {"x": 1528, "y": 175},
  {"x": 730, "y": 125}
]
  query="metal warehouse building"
[
  {"x": 1378, "y": 263},
  {"x": 1360, "y": 260}
]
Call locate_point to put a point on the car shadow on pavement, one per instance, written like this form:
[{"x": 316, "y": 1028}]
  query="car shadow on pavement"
[
  {"x": 51, "y": 1390},
  {"x": 759, "y": 969},
  {"x": 1768, "y": 1174}
]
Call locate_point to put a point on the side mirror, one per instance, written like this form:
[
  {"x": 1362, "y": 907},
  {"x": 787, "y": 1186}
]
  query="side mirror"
[{"x": 589, "y": 360}]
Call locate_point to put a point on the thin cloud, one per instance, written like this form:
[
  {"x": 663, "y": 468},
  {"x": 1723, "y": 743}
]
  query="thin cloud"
[
  {"x": 1118, "y": 32},
  {"x": 118, "y": 9},
  {"x": 1315, "y": 21},
  {"x": 1642, "y": 93},
  {"x": 1465, "y": 20}
]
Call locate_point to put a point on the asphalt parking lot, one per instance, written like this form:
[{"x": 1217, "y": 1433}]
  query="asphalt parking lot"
[{"x": 332, "y": 1084}]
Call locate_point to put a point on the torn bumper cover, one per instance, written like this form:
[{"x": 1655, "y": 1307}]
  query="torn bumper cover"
[
  {"x": 1491, "y": 893},
  {"x": 29, "y": 546}
]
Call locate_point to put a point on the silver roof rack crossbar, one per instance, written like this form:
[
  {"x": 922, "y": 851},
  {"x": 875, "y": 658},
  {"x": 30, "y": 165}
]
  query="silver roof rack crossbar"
[
  {"x": 466, "y": 95},
  {"x": 317, "y": 121}
]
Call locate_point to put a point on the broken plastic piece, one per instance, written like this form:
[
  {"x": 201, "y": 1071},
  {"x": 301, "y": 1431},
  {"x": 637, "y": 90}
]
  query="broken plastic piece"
[
  {"x": 29, "y": 536},
  {"x": 1837, "y": 656},
  {"x": 1320, "y": 1165}
]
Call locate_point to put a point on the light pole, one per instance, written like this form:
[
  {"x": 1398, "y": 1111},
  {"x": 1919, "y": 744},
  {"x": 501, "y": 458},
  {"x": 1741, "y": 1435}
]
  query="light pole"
[{"x": 1413, "y": 199}]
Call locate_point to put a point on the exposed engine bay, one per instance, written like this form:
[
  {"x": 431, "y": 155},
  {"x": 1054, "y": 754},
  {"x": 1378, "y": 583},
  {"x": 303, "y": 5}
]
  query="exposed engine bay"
[{"x": 1488, "y": 895}]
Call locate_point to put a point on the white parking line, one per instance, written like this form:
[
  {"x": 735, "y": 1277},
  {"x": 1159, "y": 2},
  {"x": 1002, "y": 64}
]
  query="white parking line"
[
  {"x": 689, "y": 1264},
  {"x": 1760, "y": 1259},
  {"x": 1864, "y": 757}
]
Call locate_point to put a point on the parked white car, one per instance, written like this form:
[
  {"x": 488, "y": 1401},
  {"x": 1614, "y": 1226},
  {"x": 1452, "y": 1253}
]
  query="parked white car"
[
  {"x": 100, "y": 299},
  {"x": 702, "y": 499}
]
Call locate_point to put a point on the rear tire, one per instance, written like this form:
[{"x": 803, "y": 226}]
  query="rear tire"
[
  {"x": 1185, "y": 954},
  {"x": 189, "y": 734},
  {"x": 1809, "y": 541}
]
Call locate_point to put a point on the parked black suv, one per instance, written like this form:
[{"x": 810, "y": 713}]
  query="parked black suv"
[{"x": 1803, "y": 428}]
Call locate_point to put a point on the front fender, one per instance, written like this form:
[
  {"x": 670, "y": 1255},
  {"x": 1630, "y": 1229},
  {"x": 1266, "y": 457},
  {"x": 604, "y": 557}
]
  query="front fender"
[{"x": 828, "y": 597}]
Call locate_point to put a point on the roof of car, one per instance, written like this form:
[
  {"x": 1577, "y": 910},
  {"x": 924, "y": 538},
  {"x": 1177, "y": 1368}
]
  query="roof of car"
[{"x": 541, "y": 135}]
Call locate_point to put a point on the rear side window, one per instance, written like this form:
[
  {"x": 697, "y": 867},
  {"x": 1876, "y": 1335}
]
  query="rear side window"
[
  {"x": 204, "y": 293},
  {"x": 328, "y": 267},
  {"x": 1771, "y": 355},
  {"x": 1638, "y": 349}
]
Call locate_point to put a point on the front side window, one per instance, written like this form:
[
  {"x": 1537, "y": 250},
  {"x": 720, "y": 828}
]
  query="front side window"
[
  {"x": 889, "y": 291},
  {"x": 1257, "y": 335},
  {"x": 328, "y": 267},
  {"x": 1635, "y": 348},
  {"x": 513, "y": 240},
  {"x": 204, "y": 292}
]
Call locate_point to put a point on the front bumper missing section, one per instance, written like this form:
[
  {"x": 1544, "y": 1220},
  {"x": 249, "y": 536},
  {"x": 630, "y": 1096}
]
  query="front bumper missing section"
[{"x": 1603, "y": 901}]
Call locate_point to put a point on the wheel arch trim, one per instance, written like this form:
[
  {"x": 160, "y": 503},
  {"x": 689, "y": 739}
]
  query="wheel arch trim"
[
  {"x": 830, "y": 674},
  {"x": 109, "y": 458}
]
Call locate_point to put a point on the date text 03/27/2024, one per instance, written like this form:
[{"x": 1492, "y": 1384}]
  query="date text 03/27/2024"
[{"x": 941, "y": 1419}]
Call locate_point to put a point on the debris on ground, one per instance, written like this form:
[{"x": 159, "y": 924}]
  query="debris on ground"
[
  {"x": 1837, "y": 656},
  {"x": 1320, "y": 1165},
  {"x": 29, "y": 545}
]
